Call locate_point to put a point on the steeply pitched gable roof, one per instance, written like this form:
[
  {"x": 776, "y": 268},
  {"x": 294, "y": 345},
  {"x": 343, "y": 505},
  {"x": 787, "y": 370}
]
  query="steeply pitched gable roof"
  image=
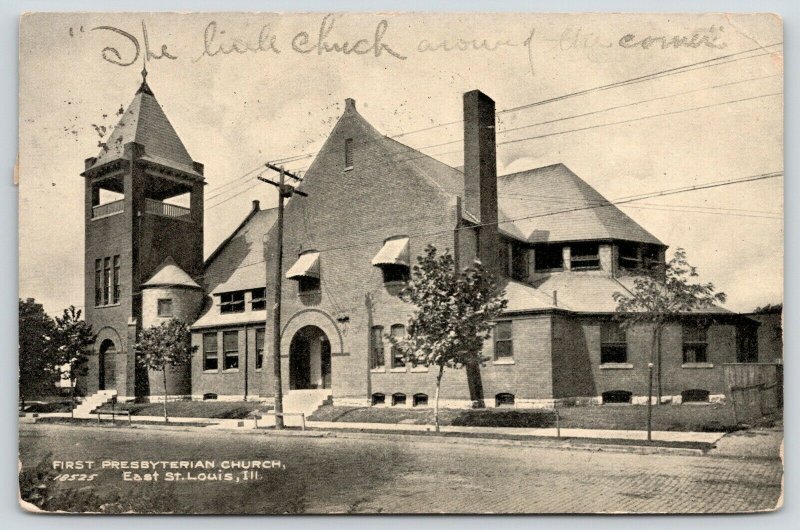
[
  {"x": 553, "y": 204},
  {"x": 169, "y": 274},
  {"x": 238, "y": 263},
  {"x": 145, "y": 123}
]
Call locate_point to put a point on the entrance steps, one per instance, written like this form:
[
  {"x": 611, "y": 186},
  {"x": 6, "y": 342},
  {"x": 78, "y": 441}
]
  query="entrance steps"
[
  {"x": 90, "y": 403},
  {"x": 305, "y": 401}
]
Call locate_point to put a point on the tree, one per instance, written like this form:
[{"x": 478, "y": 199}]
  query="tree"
[
  {"x": 73, "y": 337},
  {"x": 453, "y": 316},
  {"x": 160, "y": 347},
  {"x": 658, "y": 298},
  {"x": 36, "y": 355}
]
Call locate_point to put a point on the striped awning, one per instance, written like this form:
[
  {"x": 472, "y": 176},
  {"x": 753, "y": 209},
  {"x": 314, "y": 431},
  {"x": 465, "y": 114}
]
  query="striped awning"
[
  {"x": 394, "y": 252},
  {"x": 306, "y": 266}
]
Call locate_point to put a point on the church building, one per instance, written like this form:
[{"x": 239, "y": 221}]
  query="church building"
[{"x": 372, "y": 206}]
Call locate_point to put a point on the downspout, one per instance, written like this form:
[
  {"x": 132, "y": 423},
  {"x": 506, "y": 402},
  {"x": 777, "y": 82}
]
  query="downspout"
[{"x": 368, "y": 304}]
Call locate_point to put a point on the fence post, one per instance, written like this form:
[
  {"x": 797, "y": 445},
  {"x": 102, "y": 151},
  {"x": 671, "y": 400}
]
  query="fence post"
[{"x": 303, "y": 421}]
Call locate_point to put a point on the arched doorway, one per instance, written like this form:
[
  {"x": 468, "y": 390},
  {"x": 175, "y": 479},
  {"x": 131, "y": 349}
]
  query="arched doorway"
[
  {"x": 309, "y": 359},
  {"x": 106, "y": 365}
]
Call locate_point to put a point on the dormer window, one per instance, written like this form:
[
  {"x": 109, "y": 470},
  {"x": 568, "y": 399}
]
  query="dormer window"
[
  {"x": 258, "y": 302},
  {"x": 585, "y": 256},
  {"x": 232, "y": 302},
  {"x": 394, "y": 259},
  {"x": 549, "y": 258},
  {"x": 306, "y": 272},
  {"x": 348, "y": 154}
]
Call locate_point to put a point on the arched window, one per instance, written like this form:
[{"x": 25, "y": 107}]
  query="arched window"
[
  {"x": 420, "y": 400},
  {"x": 398, "y": 399},
  {"x": 616, "y": 396},
  {"x": 695, "y": 395},
  {"x": 504, "y": 400},
  {"x": 378, "y": 399},
  {"x": 209, "y": 395},
  {"x": 398, "y": 356}
]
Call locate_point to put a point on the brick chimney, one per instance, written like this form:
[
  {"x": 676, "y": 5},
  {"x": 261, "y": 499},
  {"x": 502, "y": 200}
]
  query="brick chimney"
[{"x": 480, "y": 174}]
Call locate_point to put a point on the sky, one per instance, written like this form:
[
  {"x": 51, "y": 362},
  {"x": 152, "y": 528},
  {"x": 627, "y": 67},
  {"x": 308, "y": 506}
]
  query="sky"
[{"x": 235, "y": 111}]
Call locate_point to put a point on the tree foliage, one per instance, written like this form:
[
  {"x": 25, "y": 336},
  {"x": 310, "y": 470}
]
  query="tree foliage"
[
  {"x": 72, "y": 338},
  {"x": 453, "y": 314},
  {"x": 656, "y": 299},
  {"x": 165, "y": 345},
  {"x": 37, "y": 361}
]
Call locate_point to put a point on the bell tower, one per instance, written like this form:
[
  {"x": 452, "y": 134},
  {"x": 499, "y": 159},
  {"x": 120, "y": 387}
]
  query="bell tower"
[{"x": 143, "y": 205}]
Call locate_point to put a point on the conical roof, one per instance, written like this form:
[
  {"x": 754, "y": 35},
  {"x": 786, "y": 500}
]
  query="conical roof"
[
  {"x": 169, "y": 274},
  {"x": 145, "y": 123}
]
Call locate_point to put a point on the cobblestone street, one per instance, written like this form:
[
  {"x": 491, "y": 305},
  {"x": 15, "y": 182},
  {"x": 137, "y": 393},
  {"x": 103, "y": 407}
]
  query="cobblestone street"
[{"x": 368, "y": 475}]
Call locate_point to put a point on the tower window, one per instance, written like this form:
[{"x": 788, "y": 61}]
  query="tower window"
[
  {"x": 348, "y": 153},
  {"x": 106, "y": 280},
  {"x": 231, "y": 302},
  {"x": 98, "y": 282},
  {"x": 165, "y": 307},
  {"x": 115, "y": 280}
]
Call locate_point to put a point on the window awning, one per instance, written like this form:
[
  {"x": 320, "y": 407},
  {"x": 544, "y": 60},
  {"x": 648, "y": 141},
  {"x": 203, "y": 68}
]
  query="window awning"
[
  {"x": 394, "y": 252},
  {"x": 306, "y": 266}
]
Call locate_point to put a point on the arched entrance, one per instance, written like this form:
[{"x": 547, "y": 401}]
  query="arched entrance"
[
  {"x": 106, "y": 372},
  {"x": 309, "y": 359}
]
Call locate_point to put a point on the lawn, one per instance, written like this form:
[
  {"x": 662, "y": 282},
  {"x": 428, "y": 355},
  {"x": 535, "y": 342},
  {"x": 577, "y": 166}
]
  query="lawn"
[
  {"x": 230, "y": 410},
  {"x": 665, "y": 418}
]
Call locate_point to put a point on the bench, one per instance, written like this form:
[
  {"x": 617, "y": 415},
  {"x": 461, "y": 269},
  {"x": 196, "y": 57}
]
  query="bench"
[
  {"x": 259, "y": 414},
  {"x": 113, "y": 414}
]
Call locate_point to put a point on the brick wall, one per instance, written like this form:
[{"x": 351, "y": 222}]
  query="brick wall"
[{"x": 229, "y": 382}]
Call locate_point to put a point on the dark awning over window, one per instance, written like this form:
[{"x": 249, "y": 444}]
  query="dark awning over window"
[
  {"x": 306, "y": 266},
  {"x": 394, "y": 252}
]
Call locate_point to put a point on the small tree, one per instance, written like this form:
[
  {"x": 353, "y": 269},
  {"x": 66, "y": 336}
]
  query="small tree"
[
  {"x": 657, "y": 299},
  {"x": 36, "y": 354},
  {"x": 162, "y": 346},
  {"x": 454, "y": 311},
  {"x": 73, "y": 337}
]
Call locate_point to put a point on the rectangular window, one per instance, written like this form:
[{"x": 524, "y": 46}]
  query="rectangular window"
[
  {"x": 519, "y": 263},
  {"x": 651, "y": 257},
  {"x": 115, "y": 294},
  {"x": 395, "y": 273},
  {"x": 695, "y": 344},
  {"x": 259, "y": 348},
  {"x": 210, "y": 352},
  {"x": 106, "y": 280},
  {"x": 259, "y": 300},
  {"x": 377, "y": 355},
  {"x": 549, "y": 258},
  {"x": 585, "y": 256},
  {"x": 398, "y": 356},
  {"x": 231, "y": 302},
  {"x": 613, "y": 343},
  {"x": 629, "y": 257},
  {"x": 230, "y": 350},
  {"x": 98, "y": 282},
  {"x": 348, "y": 153},
  {"x": 503, "y": 340},
  {"x": 165, "y": 307},
  {"x": 307, "y": 284}
]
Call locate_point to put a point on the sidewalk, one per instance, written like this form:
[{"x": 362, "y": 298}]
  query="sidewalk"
[{"x": 268, "y": 421}]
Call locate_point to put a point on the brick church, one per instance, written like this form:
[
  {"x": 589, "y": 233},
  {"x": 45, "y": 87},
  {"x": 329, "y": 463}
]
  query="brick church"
[{"x": 373, "y": 205}]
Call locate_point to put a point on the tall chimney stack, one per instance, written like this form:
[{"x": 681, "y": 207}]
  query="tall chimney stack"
[{"x": 480, "y": 174}]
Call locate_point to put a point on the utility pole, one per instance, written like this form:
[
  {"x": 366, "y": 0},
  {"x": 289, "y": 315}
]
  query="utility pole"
[{"x": 284, "y": 192}]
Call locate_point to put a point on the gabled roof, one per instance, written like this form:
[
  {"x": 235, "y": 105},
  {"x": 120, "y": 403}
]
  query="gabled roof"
[
  {"x": 145, "y": 123},
  {"x": 553, "y": 204},
  {"x": 238, "y": 263},
  {"x": 169, "y": 274}
]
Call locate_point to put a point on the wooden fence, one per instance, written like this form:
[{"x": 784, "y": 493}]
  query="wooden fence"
[{"x": 755, "y": 389}]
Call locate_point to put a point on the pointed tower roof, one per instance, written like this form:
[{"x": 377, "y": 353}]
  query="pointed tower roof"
[
  {"x": 145, "y": 123},
  {"x": 169, "y": 274}
]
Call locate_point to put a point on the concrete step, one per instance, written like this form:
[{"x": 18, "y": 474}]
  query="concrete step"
[{"x": 305, "y": 401}]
